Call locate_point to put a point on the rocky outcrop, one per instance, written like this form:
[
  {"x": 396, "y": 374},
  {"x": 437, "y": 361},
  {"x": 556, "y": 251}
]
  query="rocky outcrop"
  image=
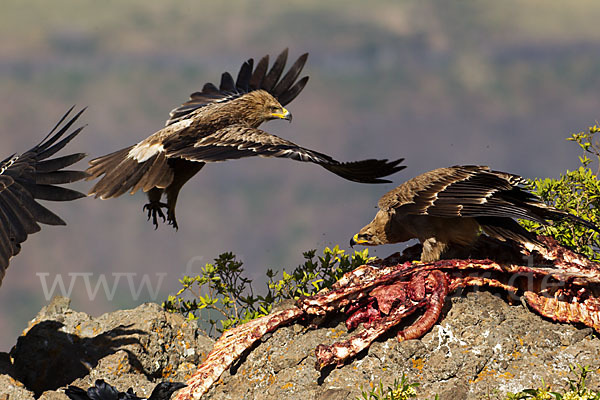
[
  {"x": 129, "y": 348},
  {"x": 482, "y": 346}
]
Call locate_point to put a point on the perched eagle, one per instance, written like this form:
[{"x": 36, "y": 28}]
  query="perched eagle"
[
  {"x": 32, "y": 176},
  {"x": 219, "y": 124},
  {"x": 103, "y": 391},
  {"x": 447, "y": 209}
]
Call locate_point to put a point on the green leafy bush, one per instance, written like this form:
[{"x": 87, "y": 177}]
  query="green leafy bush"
[
  {"x": 577, "y": 192},
  {"x": 222, "y": 294},
  {"x": 576, "y": 389},
  {"x": 400, "y": 390}
]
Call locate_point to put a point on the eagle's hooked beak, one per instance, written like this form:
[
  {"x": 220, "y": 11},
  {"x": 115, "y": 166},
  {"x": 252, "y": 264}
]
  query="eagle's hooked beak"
[
  {"x": 355, "y": 240},
  {"x": 284, "y": 114}
]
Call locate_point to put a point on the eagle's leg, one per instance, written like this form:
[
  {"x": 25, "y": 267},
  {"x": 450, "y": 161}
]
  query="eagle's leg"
[
  {"x": 183, "y": 171},
  {"x": 433, "y": 249},
  {"x": 171, "y": 217},
  {"x": 154, "y": 206}
]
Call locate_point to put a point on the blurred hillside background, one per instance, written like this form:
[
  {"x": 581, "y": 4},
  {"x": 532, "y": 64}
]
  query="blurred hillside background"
[{"x": 439, "y": 83}]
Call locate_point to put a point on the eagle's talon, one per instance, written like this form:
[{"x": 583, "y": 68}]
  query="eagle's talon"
[
  {"x": 173, "y": 222},
  {"x": 154, "y": 209}
]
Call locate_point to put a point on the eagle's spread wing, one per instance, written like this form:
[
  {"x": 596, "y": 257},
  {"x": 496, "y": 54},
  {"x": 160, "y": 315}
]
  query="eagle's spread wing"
[
  {"x": 32, "y": 176},
  {"x": 472, "y": 191},
  {"x": 465, "y": 191},
  {"x": 249, "y": 78},
  {"x": 239, "y": 141}
]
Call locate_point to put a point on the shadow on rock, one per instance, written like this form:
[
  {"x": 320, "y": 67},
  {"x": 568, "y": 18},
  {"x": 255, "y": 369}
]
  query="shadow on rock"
[
  {"x": 129, "y": 348},
  {"x": 47, "y": 358}
]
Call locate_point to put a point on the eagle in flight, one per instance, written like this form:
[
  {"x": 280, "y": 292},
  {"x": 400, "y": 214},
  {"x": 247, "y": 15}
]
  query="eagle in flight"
[
  {"x": 447, "y": 209},
  {"x": 33, "y": 176},
  {"x": 219, "y": 124}
]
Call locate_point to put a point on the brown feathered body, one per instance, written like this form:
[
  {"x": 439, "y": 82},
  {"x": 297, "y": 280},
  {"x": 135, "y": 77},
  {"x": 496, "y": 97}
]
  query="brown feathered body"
[
  {"x": 219, "y": 124},
  {"x": 166, "y": 160},
  {"x": 447, "y": 209},
  {"x": 32, "y": 176}
]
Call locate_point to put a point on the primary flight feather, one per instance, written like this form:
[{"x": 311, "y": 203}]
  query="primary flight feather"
[{"x": 32, "y": 176}]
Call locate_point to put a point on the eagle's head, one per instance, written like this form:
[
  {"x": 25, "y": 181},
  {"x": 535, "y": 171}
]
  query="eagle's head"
[
  {"x": 366, "y": 238},
  {"x": 260, "y": 106},
  {"x": 375, "y": 233}
]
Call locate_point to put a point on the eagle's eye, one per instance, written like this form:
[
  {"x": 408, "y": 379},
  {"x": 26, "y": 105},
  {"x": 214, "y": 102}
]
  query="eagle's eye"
[{"x": 274, "y": 109}]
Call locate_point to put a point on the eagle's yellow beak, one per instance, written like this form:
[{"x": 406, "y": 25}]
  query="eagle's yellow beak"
[
  {"x": 284, "y": 114},
  {"x": 356, "y": 240}
]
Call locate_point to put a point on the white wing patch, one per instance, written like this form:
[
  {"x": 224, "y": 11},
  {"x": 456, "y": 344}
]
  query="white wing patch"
[
  {"x": 184, "y": 123},
  {"x": 143, "y": 151}
]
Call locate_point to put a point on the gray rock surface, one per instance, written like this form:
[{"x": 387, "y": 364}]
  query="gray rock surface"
[
  {"x": 128, "y": 348},
  {"x": 481, "y": 348}
]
